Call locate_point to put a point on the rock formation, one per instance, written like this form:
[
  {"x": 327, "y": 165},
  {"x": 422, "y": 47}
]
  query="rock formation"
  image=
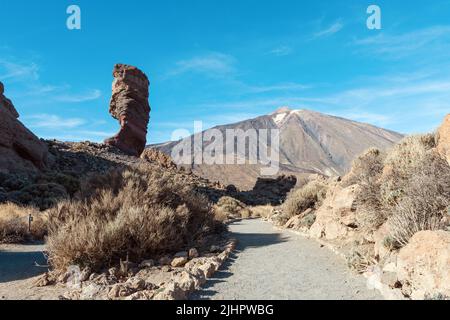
[
  {"x": 444, "y": 139},
  {"x": 129, "y": 104},
  {"x": 20, "y": 149},
  {"x": 424, "y": 265}
]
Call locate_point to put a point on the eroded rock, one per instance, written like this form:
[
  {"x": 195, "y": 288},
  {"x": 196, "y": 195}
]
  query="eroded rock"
[
  {"x": 129, "y": 104},
  {"x": 20, "y": 149},
  {"x": 424, "y": 265}
]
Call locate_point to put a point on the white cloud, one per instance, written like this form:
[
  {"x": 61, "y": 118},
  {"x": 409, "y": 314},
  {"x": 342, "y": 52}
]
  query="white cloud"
[
  {"x": 49, "y": 121},
  {"x": 334, "y": 28},
  {"x": 281, "y": 51},
  {"x": 17, "y": 71},
  {"x": 401, "y": 45},
  {"x": 83, "y": 97},
  {"x": 289, "y": 86},
  {"x": 213, "y": 64}
]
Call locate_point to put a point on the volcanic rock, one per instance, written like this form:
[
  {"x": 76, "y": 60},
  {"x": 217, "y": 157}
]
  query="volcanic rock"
[
  {"x": 129, "y": 104},
  {"x": 20, "y": 149}
]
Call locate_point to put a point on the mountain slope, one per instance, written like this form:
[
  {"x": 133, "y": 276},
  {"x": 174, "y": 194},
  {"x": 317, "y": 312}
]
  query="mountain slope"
[{"x": 310, "y": 142}]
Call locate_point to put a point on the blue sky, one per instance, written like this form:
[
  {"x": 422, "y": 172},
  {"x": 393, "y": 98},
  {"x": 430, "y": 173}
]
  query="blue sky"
[{"x": 224, "y": 61}]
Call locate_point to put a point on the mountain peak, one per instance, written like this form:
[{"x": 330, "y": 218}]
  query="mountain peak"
[{"x": 283, "y": 110}]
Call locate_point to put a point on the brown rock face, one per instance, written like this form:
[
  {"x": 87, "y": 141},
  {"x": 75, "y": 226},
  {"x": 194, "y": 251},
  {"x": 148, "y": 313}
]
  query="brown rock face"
[
  {"x": 424, "y": 264},
  {"x": 129, "y": 104},
  {"x": 444, "y": 139},
  {"x": 20, "y": 149}
]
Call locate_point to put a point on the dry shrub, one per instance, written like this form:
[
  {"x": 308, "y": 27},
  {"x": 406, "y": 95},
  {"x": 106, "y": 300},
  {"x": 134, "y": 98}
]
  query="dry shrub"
[
  {"x": 426, "y": 200},
  {"x": 14, "y": 224},
  {"x": 231, "y": 208},
  {"x": 366, "y": 172},
  {"x": 401, "y": 163},
  {"x": 309, "y": 196},
  {"x": 137, "y": 212},
  {"x": 366, "y": 168},
  {"x": 262, "y": 211}
]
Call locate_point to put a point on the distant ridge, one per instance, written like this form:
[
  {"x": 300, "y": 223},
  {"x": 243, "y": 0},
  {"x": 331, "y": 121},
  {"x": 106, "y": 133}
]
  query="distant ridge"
[{"x": 310, "y": 143}]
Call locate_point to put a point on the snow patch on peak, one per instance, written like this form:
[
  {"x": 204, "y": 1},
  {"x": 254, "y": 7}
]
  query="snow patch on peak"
[{"x": 279, "y": 117}]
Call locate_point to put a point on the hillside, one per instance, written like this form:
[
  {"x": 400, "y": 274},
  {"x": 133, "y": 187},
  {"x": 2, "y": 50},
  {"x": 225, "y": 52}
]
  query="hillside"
[{"x": 310, "y": 143}]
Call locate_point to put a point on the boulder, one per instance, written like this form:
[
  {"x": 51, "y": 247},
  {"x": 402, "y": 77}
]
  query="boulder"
[
  {"x": 443, "y": 145},
  {"x": 193, "y": 253},
  {"x": 424, "y": 265},
  {"x": 158, "y": 157},
  {"x": 20, "y": 149},
  {"x": 129, "y": 104},
  {"x": 336, "y": 216},
  {"x": 179, "y": 262}
]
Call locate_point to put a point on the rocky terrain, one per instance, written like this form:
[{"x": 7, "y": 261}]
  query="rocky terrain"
[
  {"x": 20, "y": 149},
  {"x": 389, "y": 216},
  {"x": 54, "y": 182},
  {"x": 123, "y": 222},
  {"x": 310, "y": 143}
]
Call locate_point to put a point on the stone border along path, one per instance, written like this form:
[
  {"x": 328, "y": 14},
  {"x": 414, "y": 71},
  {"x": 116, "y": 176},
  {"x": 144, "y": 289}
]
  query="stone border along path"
[{"x": 272, "y": 264}]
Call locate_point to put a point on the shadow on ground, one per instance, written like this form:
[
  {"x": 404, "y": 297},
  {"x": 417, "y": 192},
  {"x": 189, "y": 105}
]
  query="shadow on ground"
[
  {"x": 20, "y": 265},
  {"x": 245, "y": 241}
]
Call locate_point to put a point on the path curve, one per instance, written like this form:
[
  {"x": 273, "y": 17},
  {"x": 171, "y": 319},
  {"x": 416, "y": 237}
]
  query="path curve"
[{"x": 270, "y": 264}]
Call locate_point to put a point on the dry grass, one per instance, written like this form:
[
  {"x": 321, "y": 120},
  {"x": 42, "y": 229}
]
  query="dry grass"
[
  {"x": 299, "y": 200},
  {"x": 262, "y": 211},
  {"x": 135, "y": 212},
  {"x": 231, "y": 208},
  {"x": 361, "y": 258},
  {"x": 409, "y": 187},
  {"x": 426, "y": 200},
  {"x": 401, "y": 163},
  {"x": 14, "y": 224}
]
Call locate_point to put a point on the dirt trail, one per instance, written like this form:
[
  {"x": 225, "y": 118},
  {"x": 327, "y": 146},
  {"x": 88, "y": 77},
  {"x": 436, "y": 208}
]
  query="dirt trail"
[
  {"x": 18, "y": 272},
  {"x": 277, "y": 265}
]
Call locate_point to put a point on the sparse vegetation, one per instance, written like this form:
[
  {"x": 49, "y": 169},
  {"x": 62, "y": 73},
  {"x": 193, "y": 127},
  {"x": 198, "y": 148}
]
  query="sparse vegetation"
[
  {"x": 310, "y": 195},
  {"x": 409, "y": 187},
  {"x": 14, "y": 226},
  {"x": 262, "y": 211},
  {"x": 360, "y": 258},
  {"x": 135, "y": 212},
  {"x": 231, "y": 208},
  {"x": 427, "y": 197}
]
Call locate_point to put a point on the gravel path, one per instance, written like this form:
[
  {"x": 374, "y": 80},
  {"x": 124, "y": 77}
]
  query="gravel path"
[
  {"x": 280, "y": 265},
  {"x": 18, "y": 273}
]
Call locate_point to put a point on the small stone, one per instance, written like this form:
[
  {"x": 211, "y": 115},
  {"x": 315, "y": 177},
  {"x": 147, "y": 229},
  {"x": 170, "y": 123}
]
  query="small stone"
[
  {"x": 147, "y": 263},
  {"x": 119, "y": 290},
  {"x": 193, "y": 253},
  {"x": 179, "y": 262},
  {"x": 135, "y": 284},
  {"x": 166, "y": 269},
  {"x": 113, "y": 271},
  {"x": 85, "y": 274}
]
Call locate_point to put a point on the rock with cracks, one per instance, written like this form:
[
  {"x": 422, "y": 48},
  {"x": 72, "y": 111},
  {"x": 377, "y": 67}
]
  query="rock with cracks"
[{"x": 129, "y": 104}]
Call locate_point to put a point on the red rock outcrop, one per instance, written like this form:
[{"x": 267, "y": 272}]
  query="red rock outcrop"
[
  {"x": 444, "y": 139},
  {"x": 20, "y": 149},
  {"x": 129, "y": 104}
]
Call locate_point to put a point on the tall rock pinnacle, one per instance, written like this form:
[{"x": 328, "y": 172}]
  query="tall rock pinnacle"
[{"x": 129, "y": 104}]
